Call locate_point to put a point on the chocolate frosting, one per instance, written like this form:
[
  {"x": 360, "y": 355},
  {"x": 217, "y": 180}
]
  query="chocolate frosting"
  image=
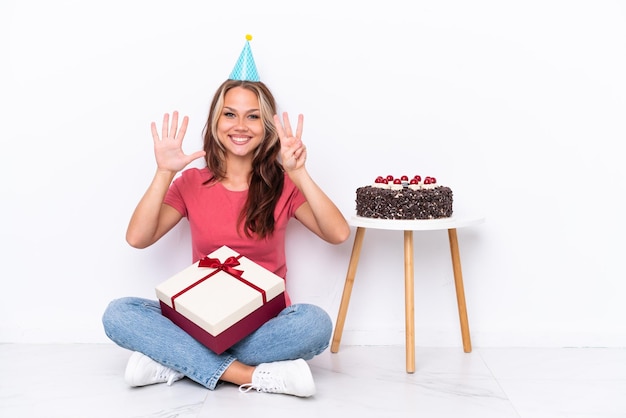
[{"x": 374, "y": 202}]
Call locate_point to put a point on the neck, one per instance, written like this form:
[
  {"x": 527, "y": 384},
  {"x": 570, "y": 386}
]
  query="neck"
[{"x": 238, "y": 174}]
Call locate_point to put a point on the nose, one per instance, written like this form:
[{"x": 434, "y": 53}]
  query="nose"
[{"x": 241, "y": 124}]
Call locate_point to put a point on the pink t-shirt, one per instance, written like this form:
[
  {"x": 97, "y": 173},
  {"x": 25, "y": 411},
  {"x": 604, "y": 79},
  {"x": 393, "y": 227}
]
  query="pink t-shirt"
[{"x": 212, "y": 212}]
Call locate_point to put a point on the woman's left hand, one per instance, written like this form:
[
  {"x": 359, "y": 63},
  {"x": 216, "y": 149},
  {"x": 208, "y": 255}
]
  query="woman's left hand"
[{"x": 292, "y": 150}]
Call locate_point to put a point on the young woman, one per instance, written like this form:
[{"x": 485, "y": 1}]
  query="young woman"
[{"x": 255, "y": 181}]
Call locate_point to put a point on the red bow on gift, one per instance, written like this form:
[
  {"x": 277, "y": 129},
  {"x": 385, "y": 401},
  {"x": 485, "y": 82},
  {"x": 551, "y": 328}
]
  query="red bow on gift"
[{"x": 227, "y": 266}]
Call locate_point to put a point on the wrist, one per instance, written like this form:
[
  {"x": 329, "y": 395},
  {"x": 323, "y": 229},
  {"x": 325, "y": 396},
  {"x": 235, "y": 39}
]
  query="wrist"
[
  {"x": 165, "y": 174},
  {"x": 297, "y": 175}
]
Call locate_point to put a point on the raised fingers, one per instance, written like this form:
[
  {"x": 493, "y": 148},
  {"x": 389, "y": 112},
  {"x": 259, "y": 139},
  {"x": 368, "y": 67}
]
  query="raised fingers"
[
  {"x": 155, "y": 133},
  {"x": 170, "y": 131},
  {"x": 284, "y": 129},
  {"x": 165, "y": 126},
  {"x": 279, "y": 128},
  {"x": 174, "y": 125},
  {"x": 183, "y": 128},
  {"x": 287, "y": 125},
  {"x": 300, "y": 126}
]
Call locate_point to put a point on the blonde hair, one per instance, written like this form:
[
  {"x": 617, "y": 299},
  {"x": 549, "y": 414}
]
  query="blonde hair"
[{"x": 266, "y": 182}]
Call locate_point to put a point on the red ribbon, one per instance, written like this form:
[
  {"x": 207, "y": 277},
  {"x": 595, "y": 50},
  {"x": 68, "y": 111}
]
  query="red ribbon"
[{"x": 228, "y": 267}]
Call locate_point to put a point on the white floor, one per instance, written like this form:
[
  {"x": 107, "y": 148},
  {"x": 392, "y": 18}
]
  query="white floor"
[{"x": 86, "y": 381}]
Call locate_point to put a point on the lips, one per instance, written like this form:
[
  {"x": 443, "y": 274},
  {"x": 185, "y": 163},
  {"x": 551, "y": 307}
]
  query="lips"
[{"x": 240, "y": 140}]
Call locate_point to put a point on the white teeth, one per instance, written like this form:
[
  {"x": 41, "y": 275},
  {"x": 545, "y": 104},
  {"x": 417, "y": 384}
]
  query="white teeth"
[{"x": 239, "y": 140}]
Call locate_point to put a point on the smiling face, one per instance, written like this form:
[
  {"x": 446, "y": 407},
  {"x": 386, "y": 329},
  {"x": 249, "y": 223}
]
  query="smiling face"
[{"x": 239, "y": 126}]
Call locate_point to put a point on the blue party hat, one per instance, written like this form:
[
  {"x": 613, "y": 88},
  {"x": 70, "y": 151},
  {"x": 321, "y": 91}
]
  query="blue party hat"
[{"x": 245, "y": 69}]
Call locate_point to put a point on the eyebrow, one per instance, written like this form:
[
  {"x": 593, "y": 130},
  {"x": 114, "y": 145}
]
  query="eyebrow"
[{"x": 235, "y": 110}]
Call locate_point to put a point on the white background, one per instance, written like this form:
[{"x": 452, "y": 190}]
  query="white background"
[{"x": 518, "y": 106}]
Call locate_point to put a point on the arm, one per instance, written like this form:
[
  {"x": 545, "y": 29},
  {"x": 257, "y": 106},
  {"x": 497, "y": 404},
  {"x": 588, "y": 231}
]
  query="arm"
[
  {"x": 319, "y": 213},
  {"x": 152, "y": 219}
]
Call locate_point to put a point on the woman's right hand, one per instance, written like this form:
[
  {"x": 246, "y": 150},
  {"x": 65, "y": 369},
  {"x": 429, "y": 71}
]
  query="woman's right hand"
[{"x": 168, "y": 149}]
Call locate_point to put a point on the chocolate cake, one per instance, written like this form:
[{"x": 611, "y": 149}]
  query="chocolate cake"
[{"x": 401, "y": 198}]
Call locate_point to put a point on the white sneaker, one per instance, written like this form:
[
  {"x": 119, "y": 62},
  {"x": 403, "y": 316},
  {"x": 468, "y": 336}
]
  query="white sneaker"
[
  {"x": 141, "y": 370},
  {"x": 292, "y": 377}
]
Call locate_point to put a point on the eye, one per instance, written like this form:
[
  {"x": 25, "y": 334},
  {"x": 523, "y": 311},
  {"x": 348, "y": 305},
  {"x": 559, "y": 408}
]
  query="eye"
[
  {"x": 229, "y": 114},
  {"x": 255, "y": 117}
]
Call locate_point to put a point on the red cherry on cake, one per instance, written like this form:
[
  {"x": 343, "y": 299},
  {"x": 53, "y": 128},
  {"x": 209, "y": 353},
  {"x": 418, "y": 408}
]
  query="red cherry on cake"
[
  {"x": 418, "y": 178},
  {"x": 397, "y": 181},
  {"x": 414, "y": 181},
  {"x": 427, "y": 180},
  {"x": 404, "y": 178},
  {"x": 379, "y": 179},
  {"x": 433, "y": 180},
  {"x": 390, "y": 178}
]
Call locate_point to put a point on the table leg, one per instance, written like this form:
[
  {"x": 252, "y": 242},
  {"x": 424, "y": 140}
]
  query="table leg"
[
  {"x": 460, "y": 292},
  {"x": 409, "y": 301},
  {"x": 347, "y": 288}
]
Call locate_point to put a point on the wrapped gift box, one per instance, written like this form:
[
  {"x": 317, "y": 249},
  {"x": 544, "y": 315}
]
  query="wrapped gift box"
[{"x": 222, "y": 298}]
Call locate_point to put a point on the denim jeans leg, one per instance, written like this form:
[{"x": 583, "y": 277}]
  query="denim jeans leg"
[
  {"x": 138, "y": 325},
  {"x": 299, "y": 331}
]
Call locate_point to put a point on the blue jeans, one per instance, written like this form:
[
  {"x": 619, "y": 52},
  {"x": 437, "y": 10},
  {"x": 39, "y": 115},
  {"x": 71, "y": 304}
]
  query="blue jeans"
[{"x": 299, "y": 331}]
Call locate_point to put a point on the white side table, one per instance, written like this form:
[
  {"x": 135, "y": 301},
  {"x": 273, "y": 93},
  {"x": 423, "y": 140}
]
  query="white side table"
[{"x": 408, "y": 226}]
